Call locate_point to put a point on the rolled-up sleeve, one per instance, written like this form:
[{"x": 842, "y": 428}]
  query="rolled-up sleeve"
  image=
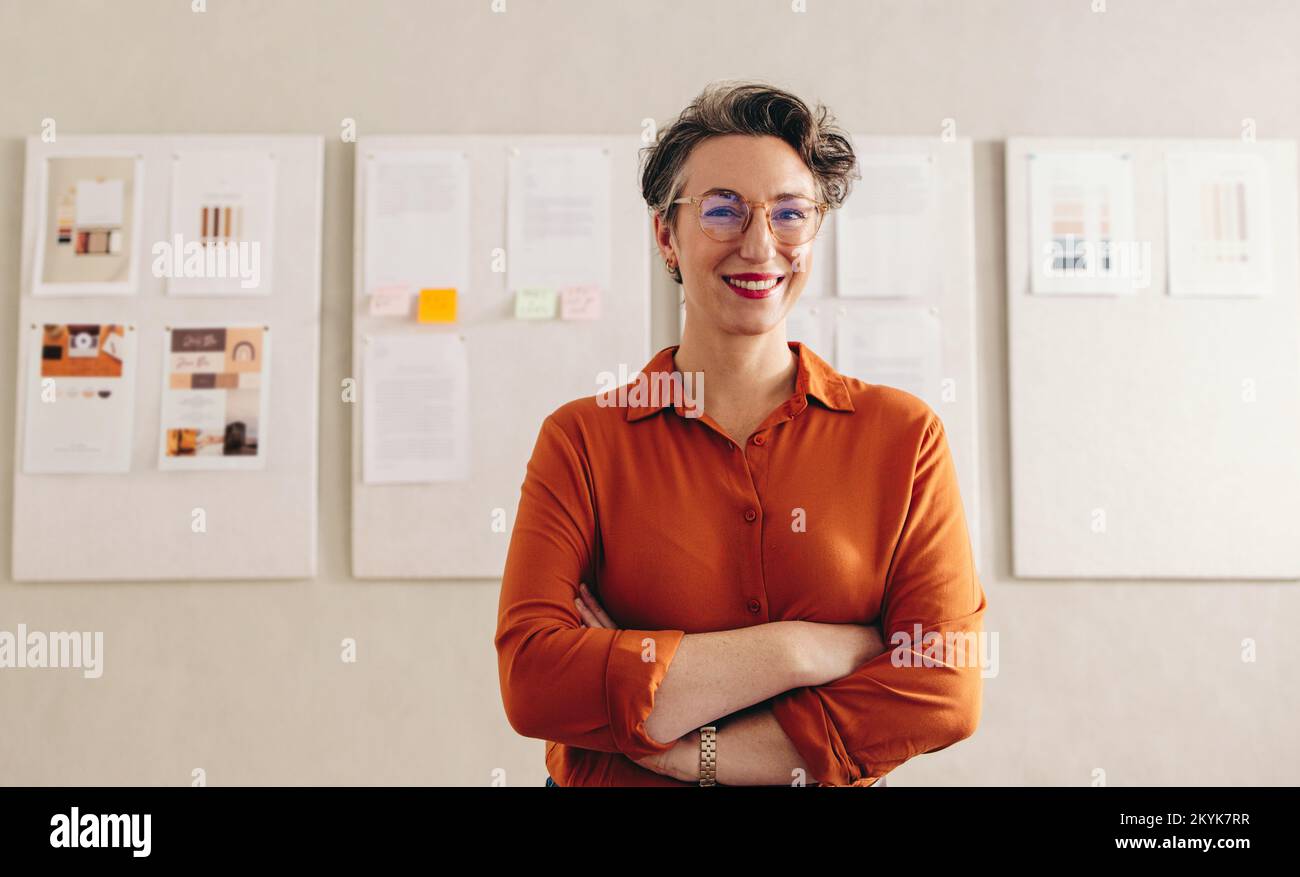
[
  {"x": 921, "y": 696},
  {"x": 586, "y": 687}
]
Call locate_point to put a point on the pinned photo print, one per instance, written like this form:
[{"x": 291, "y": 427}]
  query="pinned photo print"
[
  {"x": 222, "y": 224},
  {"x": 80, "y": 387},
  {"x": 214, "y": 398},
  {"x": 89, "y": 225}
]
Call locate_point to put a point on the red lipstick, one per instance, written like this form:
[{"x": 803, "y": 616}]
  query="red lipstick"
[{"x": 770, "y": 289}]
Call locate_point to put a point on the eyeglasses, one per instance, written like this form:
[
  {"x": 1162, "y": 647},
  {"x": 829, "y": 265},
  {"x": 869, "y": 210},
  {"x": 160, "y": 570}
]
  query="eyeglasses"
[{"x": 724, "y": 216}]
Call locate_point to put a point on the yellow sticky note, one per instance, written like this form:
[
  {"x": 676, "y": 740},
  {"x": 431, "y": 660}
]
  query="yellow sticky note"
[
  {"x": 437, "y": 306},
  {"x": 535, "y": 304}
]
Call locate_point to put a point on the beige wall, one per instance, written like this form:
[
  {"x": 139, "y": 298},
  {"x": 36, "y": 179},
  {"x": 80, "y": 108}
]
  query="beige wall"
[{"x": 243, "y": 679}]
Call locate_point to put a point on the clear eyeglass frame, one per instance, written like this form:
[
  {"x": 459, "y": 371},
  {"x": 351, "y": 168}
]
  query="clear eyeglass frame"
[{"x": 750, "y": 206}]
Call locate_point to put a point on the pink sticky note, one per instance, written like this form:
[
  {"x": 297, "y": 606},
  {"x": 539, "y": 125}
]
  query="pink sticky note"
[
  {"x": 580, "y": 303},
  {"x": 391, "y": 301}
]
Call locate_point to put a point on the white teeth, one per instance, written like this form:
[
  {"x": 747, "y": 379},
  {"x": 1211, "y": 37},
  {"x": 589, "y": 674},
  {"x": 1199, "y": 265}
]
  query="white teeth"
[{"x": 755, "y": 284}]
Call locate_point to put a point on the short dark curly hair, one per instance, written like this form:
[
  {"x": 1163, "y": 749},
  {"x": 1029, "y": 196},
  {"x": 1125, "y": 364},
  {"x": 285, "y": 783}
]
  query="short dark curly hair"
[{"x": 755, "y": 108}]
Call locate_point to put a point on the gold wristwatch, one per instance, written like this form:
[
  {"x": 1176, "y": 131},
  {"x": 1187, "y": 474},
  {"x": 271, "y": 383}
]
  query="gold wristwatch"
[{"x": 708, "y": 755}]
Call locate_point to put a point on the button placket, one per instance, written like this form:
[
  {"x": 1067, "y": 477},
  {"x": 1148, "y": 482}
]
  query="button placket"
[{"x": 756, "y": 600}]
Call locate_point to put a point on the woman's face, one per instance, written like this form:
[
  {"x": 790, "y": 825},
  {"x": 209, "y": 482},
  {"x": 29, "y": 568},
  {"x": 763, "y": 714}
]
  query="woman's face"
[{"x": 757, "y": 168}]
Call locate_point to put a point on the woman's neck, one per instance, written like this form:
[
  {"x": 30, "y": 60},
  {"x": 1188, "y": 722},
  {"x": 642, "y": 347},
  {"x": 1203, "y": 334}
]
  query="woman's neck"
[{"x": 740, "y": 370}]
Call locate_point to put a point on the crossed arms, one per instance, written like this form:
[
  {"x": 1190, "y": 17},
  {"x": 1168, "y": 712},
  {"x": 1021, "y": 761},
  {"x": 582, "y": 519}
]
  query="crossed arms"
[
  {"x": 725, "y": 674},
  {"x": 847, "y": 710}
]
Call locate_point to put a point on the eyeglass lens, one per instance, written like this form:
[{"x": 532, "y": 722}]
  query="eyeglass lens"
[{"x": 723, "y": 215}]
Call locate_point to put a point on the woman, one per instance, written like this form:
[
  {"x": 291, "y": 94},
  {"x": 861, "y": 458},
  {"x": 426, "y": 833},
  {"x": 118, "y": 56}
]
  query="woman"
[{"x": 721, "y": 568}]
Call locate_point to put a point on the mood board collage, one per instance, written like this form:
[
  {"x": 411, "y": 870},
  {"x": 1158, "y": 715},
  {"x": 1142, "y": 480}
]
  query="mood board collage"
[{"x": 81, "y": 375}]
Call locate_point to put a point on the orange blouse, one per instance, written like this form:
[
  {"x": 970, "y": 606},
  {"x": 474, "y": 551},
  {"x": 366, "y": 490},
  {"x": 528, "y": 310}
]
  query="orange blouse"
[{"x": 841, "y": 507}]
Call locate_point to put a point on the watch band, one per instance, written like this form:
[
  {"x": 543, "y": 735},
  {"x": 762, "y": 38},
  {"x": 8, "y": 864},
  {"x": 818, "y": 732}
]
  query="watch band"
[{"x": 708, "y": 755}]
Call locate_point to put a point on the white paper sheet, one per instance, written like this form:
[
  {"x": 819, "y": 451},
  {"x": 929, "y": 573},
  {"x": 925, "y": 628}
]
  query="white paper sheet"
[
  {"x": 417, "y": 222},
  {"x": 1220, "y": 225},
  {"x": 900, "y": 347},
  {"x": 1082, "y": 233},
  {"x": 222, "y": 224},
  {"x": 215, "y": 397},
  {"x": 100, "y": 203},
  {"x": 887, "y": 232},
  {"x": 415, "y": 408},
  {"x": 82, "y": 420},
  {"x": 88, "y": 224},
  {"x": 558, "y": 217}
]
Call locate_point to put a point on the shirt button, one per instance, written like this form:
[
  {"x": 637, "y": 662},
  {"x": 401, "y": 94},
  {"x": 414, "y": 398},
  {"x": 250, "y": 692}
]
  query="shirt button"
[
  {"x": 754, "y": 606},
  {"x": 750, "y": 514},
  {"x": 758, "y": 439}
]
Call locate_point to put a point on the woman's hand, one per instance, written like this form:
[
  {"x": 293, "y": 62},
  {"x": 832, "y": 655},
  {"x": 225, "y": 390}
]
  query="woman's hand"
[
  {"x": 682, "y": 760},
  {"x": 593, "y": 614}
]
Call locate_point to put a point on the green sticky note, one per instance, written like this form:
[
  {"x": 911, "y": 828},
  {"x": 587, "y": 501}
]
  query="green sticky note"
[{"x": 535, "y": 304}]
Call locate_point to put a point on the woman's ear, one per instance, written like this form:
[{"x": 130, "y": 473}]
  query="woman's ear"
[{"x": 668, "y": 250}]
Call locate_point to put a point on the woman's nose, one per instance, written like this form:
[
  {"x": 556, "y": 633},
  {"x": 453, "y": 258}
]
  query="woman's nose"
[{"x": 757, "y": 241}]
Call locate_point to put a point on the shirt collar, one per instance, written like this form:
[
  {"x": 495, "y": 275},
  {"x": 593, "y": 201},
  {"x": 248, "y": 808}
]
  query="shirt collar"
[{"x": 814, "y": 377}]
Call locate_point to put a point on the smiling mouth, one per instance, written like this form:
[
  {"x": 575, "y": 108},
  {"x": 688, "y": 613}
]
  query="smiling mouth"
[{"x": 755, "y": 288}]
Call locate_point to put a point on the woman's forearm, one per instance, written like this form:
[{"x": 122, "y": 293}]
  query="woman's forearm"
[
  {"x": 716, "y": 674},
  {"x": 719, "y": 673},
  {"x": 722, "y": 672},
  {"x": 753, "y": 750}
]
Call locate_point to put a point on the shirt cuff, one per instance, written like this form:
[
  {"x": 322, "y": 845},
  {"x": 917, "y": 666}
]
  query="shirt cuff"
[
  {"x": 805, "y": 721},
  {"x": 638, "y": 660}
]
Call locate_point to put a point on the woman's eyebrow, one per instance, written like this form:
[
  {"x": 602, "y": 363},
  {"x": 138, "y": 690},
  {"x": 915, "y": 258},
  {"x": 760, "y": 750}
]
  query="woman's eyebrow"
[{"x": 719, "y": 190}]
